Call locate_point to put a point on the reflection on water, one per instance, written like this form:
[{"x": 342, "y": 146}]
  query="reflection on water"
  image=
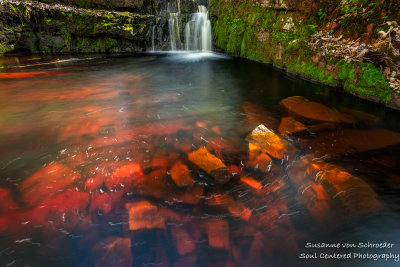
[{"x": 179, "y": 159}]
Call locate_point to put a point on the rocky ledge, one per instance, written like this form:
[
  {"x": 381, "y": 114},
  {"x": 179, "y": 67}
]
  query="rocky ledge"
[{"x": 29, "y": 26}]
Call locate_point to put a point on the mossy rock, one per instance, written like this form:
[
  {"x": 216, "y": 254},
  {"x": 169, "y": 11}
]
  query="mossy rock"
[{"x": 281, "y": 37}]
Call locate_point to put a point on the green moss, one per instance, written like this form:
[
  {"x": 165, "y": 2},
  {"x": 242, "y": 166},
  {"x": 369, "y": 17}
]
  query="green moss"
[
  {"x": 281, "y": 37},
  {"x": 5, "y": 47},
  {"x": 369, "y": 83},
  {"x": 66, "y": 35}
]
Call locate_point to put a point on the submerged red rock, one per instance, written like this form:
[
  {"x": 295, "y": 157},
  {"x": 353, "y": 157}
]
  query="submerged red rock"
[
  {"x": 124, "y": 176},
  {"x": 218, "y": 234},
  {"x": 305, "y": 110},
  {"x": 183, "y": 242},
  {"x": 48, "y": 181},
  {"x": 324, "y": 184},
  {"x": 251, "y": 182},
  {"x": 181, "y": 175},
  {"x": 289, "y": 126},
  {"x": 210, "y": 164},
  {"x": 144, "y": 215}
]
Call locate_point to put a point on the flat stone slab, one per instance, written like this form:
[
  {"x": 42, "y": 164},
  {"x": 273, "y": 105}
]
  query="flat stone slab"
[
  {"x": 305, "y": 110},
  {"x": 210, "y": 164}
]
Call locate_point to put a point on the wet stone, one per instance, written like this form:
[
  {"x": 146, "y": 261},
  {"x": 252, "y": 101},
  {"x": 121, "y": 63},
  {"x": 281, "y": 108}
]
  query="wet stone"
[
  {"x": 103, "y": 203},
  {"x": 183, "y": 242},
  {"x": 48, "y": 181},
  {"x": 251, "y": 182},
  {"x": 124, "y": 176},
  {"x": 210, "y": 164},
  {"x": 320, "y": 127},
  {"x": 325, "y": 182},
  {"x": 192, "y": 195},
  {"x": 270, "y": 142},
  {"x": 218, "y": 234},
  {"x": 261, "y": 162},
  {"x": 227, "y": 202},
  {"x": 181, "y": 175},
  {"x": 144, "y": 215},
  {"x": 154, "y": 184},
  {"x": 303, "y": 109},
  {"x": 290, "y": 126}
]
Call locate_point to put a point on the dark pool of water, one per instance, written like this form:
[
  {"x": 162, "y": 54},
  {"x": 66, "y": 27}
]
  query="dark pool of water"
[{"x": 98, "y": 166}]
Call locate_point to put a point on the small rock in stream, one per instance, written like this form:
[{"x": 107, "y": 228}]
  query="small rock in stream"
[
  {"x": 270, "y": 142},
  {"x": 210, "y": 164},
  {"x": 144, "y": 215}
]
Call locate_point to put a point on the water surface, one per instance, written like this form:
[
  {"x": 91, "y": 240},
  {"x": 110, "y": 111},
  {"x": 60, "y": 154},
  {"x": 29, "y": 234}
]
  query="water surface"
[{"x": 98, "y": 165}]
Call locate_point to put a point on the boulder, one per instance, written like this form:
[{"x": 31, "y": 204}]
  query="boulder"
[
  {"x": 303, "y": 109},
  {"x": 326, "y": 182},
  {"x": 271, "y": 143}
]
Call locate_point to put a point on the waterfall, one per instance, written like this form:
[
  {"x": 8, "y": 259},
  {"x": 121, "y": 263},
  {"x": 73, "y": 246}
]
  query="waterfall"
[
  {"x": 198, "y": 31},
  {"x": 173, "y": 25},
  {"x": 187, "y": 36},
  {"x": 194, "y": 35},
  {"x": 152, "y": 38}
]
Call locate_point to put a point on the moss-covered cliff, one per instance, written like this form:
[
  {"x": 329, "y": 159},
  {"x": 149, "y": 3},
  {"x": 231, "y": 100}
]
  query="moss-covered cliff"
[
  {"x": 293, "y": 34},
  {"x": 42, "y": 28}
]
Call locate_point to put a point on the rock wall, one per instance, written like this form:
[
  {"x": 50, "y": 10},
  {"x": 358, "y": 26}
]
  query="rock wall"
[
  {"x": 137, "y": 6},
  {"x": 42, "y": 28},
  {"x": 338, "y": 43},
  {"x": 76, "y": 26}
]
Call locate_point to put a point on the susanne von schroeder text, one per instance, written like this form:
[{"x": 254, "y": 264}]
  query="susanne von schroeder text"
[{"x": 350, "y": 245}]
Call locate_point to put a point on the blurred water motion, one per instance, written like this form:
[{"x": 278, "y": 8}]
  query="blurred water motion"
[{"x": 178, "y": 159}]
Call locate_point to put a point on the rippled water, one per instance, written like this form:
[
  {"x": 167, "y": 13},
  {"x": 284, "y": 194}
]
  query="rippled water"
[{"x": 150, "y": 160}]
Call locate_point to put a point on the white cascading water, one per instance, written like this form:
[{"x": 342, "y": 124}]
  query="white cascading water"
[
  {"x": 152, "y": 39},
  {"x": 198, "y": 31},
  {"x": 173, "y": 25}
]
